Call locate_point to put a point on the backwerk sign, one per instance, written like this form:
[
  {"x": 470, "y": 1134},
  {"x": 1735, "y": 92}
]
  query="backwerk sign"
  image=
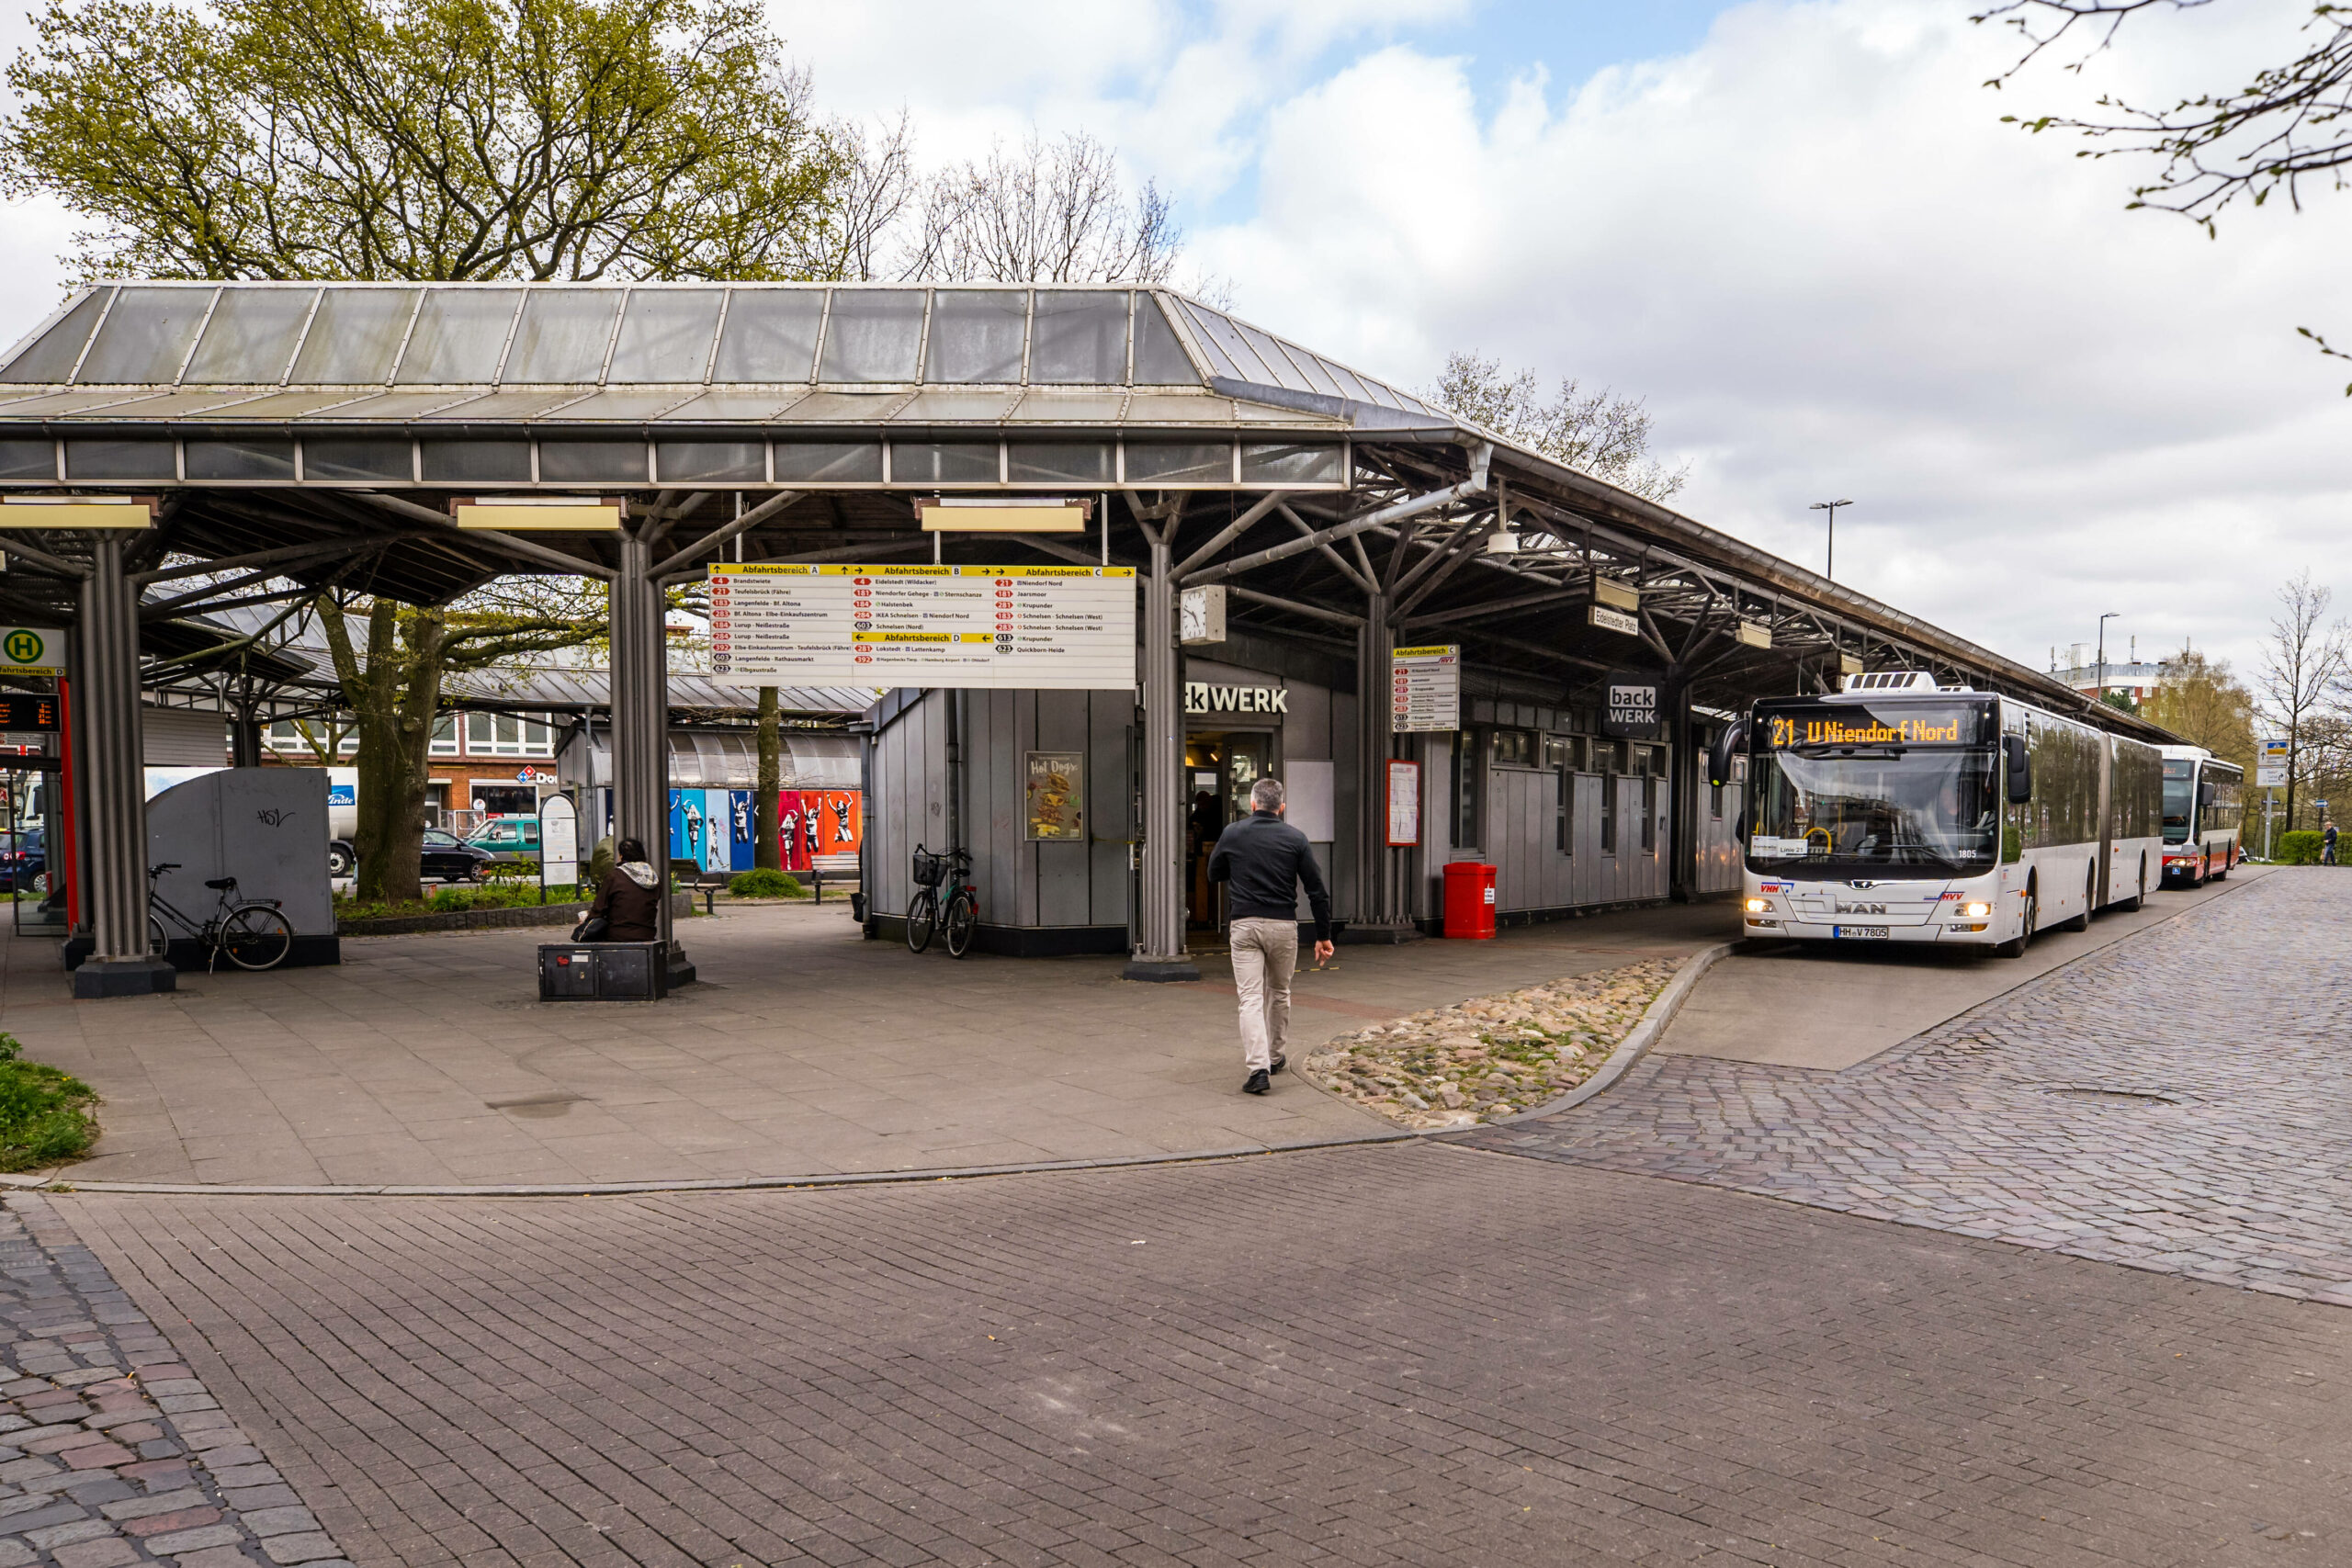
[{"x": 1632, "y": 706}]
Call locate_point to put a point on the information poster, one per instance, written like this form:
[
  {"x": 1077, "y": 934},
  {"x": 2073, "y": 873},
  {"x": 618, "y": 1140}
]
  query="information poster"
[
  {"x": 1057, "y": 789},
  {"x": 2270, "y": 764},
  {"x": 1404, "y": 804},
  {"x": 1035, "y": 627},
  {"x": 559, "y": 841},
  {"x": 1425, "y": 688}
]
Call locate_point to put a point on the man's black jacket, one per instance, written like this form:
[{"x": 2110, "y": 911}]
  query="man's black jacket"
[{"x": 1265, "y": 859}]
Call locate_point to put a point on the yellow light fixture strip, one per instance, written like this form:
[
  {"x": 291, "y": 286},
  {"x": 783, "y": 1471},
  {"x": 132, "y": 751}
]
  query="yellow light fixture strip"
[
  {"x": 1004, "y": 514},
  {"x": 542, "y": 514},
  {"x": 77, "y": 512}
]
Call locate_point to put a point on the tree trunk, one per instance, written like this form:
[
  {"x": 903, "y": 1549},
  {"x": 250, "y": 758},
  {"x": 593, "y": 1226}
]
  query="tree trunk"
[
  {"x": 393, "y": 700},
  {"x": 767, "y": 854}
]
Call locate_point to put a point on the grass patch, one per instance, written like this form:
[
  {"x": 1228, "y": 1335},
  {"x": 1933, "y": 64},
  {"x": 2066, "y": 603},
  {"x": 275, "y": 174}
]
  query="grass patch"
[
  {"x": 764, "y": 884},
  {"x": 44, "y": 1113},
  {"x": 449, "y": 899}
]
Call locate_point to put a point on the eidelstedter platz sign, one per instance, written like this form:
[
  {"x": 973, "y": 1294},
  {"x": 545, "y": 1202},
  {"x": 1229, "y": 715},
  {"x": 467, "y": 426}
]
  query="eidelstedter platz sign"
[{"x": 1039, "y": 627}]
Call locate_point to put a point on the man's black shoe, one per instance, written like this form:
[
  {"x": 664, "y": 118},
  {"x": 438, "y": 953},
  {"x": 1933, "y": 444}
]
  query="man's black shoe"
[
  {"x": 1280, "y": 1062},
  {"x": 1259, "y": 1082}
]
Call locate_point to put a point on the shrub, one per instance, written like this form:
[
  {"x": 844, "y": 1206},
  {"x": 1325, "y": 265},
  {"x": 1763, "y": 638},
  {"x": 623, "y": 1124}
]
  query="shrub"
[
  {"x": 2299, "y": 848},
  {"x": 764, "y": 884},
  {"x": 44, "y": 1114}
]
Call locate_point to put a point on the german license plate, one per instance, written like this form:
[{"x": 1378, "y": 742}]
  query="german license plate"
[{"x": 1858, "y": 933}]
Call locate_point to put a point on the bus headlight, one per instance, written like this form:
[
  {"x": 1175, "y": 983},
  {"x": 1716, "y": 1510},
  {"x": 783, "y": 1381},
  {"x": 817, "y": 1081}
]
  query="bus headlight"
[
  {"x": 1757, "y": 905},
  {"x": 1975, "y": 911}
]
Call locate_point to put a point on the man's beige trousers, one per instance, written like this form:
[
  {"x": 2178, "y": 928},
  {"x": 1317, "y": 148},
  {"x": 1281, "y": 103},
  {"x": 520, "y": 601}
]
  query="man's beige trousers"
[{"x": 1264, "y": 954}]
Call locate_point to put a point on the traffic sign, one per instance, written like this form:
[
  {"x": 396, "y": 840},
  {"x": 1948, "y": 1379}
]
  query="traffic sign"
[{"x": 31, "y": 650}]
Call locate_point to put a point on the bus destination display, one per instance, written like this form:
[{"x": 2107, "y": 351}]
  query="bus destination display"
[
  {"x": 1050, "y": 628},
  {"x": 1943, "y": 724}
]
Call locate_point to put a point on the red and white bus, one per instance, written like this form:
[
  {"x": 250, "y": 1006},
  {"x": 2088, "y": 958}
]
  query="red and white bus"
[{"x": 2204, "y": 813}]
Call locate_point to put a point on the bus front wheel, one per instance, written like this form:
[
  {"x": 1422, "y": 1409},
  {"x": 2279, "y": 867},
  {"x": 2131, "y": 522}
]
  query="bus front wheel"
[{"x": 2015, "y": 946}]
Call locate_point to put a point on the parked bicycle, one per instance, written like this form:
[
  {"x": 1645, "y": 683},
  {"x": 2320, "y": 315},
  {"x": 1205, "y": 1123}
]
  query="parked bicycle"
[
  {"x": 926, "y": 913},
  {"x": 251, "y": 931}
]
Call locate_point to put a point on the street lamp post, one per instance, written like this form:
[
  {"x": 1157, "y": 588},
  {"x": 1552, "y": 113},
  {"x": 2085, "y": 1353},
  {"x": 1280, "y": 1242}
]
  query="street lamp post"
[
  {"x": 2100, "y": 694},
  {"x": 1830, "y": 570}
]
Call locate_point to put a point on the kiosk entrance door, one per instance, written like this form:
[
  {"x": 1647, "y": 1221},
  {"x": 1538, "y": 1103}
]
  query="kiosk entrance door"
[{"x": 1219, "y": 768}]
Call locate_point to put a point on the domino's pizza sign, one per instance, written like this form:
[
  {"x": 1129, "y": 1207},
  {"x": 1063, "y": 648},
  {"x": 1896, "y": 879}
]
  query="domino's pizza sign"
[{"x": 1632, "y": 706}]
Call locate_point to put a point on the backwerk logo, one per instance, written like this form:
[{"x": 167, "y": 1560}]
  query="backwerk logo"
[
  {"x": 1632, "y": 709},
  {"x": 1205, "y": 697}
]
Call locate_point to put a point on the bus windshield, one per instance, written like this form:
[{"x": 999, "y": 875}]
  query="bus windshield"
[
  {"x": 2180, "y": 799},
  {"x": 1871, "y": 808}
]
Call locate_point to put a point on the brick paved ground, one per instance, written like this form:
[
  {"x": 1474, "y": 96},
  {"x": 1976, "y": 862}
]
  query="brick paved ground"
[
  {"x": 2007, "y": 1121},
  {"x": 1408, "y": 1354},
  {"x": 111, "y": 1453}
]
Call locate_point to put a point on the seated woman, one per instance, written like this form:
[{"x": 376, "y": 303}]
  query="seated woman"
[{"x": 631, "y": 898}]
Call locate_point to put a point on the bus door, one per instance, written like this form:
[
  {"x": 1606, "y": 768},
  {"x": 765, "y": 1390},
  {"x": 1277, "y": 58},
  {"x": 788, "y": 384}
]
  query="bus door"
[{"x": 2106, "y": 817}]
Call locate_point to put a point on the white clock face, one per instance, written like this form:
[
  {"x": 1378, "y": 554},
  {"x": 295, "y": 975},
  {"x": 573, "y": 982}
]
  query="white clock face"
[{"x": 1196, "y": 616}]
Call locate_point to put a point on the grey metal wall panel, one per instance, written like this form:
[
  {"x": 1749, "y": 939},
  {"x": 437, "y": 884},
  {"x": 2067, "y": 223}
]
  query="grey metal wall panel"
[{"x": 1110, "y": 791}]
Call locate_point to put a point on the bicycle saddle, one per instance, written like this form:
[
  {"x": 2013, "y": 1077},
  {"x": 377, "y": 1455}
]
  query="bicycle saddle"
[{"x": 221, "y": 884}]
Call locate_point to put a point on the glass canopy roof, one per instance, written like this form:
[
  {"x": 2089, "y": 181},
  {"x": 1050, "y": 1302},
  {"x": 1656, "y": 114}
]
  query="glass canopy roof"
[{"x": 818, "y": 352}]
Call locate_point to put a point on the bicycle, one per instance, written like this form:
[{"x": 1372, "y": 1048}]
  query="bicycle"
[
  {"x": 962, "y": 912},
  {"x": 253, "y": 932}
]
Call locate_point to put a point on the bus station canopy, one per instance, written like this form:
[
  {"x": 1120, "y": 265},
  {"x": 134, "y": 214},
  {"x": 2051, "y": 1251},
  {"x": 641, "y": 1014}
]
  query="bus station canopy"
[{"x": 295, "y": 437}]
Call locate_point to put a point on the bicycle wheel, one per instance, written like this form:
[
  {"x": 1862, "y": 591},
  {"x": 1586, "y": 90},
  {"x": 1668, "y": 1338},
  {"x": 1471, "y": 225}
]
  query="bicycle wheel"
[
  {"x": 961, "y": 918},
  {"x": 255, "y": 936},
  {"x": 923, "y": 918},
  {"x": 159, "y": 943}
]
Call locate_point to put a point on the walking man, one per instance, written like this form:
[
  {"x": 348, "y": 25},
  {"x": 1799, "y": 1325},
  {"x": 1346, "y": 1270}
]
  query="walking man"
[
  {"x": 1265, "y": 859},
  {"x": 2327, "y": 844}
]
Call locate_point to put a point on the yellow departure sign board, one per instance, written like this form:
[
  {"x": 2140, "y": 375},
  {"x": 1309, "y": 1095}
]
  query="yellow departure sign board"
[{"x": 1041, "y": 628}]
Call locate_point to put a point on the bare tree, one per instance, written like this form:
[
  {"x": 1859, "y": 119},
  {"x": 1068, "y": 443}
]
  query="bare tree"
[
  {"x": 2288, "y": 126},
  {"x": 2306, "y": 665},
  {"x": 1604, "y": 434},
  {"x": 1053, "y": 211}
]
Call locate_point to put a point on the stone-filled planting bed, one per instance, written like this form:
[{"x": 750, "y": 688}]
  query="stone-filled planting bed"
[{"x": 1490, "y": 1057}]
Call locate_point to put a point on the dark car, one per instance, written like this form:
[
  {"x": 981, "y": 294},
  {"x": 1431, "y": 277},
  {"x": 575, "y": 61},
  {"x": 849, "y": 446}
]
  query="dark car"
[
  {"x": 23, "y": 861},
  {"x": 446, "y": 857}
]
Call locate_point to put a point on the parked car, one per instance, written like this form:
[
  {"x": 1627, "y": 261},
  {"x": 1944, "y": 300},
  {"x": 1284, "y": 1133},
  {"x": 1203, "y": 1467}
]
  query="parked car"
[
  {"x": 23, "y": 863},
  {"x": 446, "y": 857},
  {"x": 509, "y": 839}
]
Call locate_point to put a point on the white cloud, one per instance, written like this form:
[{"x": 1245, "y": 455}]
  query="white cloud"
[{"x": 1833, "y": 272}]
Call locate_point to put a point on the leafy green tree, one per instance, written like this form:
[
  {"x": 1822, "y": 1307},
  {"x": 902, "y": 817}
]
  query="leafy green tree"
[
  {"x": 427, "y": 140},
  {"x": 423, "y": 138},
  {"x": 392, "y": 677}
]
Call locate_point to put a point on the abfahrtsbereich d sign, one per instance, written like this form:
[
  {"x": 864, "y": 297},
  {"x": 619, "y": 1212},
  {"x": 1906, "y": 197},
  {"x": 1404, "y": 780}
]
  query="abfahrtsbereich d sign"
[{"x": 1037, "y": 628}]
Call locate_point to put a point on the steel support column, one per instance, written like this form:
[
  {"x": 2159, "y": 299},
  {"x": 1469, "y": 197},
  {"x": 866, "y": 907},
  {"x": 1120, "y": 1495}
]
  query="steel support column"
[
  {"x": 1159, "y": 921},
  {"x": 640, "y": 693},
  {"x": 1382, "y": 902},
  {"x": 114, "y": 801},
  {"x": 1683, "y": 793}
]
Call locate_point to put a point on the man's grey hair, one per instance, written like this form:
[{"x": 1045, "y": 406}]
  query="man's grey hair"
[{"x": 1266, "y": 794}]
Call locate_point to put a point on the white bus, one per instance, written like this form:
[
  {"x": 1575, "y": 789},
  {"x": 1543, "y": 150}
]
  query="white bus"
[
  {"x": 2204, "y": 809},
  {"x": 1898, "y": 810}
]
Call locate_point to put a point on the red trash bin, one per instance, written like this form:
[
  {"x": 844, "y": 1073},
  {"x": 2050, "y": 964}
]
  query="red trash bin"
[{"x": 1469, "y": 898}]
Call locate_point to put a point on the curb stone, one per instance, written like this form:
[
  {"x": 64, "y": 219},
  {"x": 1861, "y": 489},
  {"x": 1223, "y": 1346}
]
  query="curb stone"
[{"x": 144, "y": 1465}]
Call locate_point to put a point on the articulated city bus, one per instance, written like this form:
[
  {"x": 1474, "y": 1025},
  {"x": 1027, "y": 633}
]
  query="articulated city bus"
[
  {"x": 2204, "y": 809},
  {"x": 1898, "y": 810}
]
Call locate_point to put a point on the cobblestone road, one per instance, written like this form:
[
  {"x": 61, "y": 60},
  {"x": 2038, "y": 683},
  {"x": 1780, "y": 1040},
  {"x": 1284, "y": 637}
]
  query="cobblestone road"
[
  {"x": 2182, "y": 1102},
  {"x": 1399, "y": 1354}
]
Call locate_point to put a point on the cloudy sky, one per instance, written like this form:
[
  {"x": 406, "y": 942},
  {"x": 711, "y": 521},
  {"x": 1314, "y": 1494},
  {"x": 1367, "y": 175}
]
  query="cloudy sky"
[{"x": 1798, "y": 228}]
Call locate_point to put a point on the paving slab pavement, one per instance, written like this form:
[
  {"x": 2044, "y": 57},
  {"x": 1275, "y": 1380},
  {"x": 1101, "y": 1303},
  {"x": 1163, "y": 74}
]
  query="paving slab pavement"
[
  {"x": 1398, "y": 1354},
  {"x": 1830, "y": 1005},
  {"x": 427, "y": 1061}
]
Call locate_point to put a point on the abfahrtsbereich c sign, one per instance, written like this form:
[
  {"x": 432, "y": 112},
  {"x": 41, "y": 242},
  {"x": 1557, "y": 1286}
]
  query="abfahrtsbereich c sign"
[{"x": 1030, "y": 628}]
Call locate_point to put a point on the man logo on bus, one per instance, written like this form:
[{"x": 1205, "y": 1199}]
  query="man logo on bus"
[{"x": 24, "y": 646}]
